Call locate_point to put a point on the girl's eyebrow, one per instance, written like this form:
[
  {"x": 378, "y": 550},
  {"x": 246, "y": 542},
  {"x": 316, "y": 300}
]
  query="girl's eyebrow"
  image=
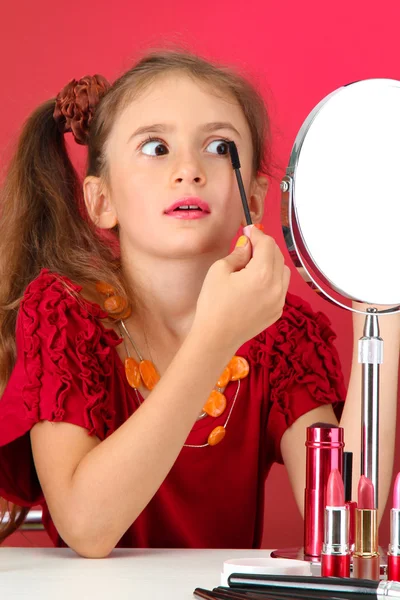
[{"x": 162, "y": 128}]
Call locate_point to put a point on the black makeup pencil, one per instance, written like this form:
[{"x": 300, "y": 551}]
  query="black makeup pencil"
[
  {"x": 226, "y": 593},
  {"x": 229, "y": 594},
  {"x": 308, "y": 586},
  {"x": 260, "y": 594},
  {"x": 236, "y": 166},
  {"x": 216, "y": 594}
]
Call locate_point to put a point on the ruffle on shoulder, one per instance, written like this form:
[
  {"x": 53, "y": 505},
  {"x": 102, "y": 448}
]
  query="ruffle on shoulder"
[
  {"x": 298, "y": 350},
  {"x": 62, "y": 335}
]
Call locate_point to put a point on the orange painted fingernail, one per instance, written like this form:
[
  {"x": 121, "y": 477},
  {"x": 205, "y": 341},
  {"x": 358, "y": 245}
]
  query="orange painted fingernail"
[
  {"x": 242, "y": 241},
  {"x": 259, "y": 226}
]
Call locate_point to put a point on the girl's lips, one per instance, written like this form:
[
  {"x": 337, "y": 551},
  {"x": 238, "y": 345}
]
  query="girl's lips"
[
  {"x": 189, "y": 201},
  {"x": 201, "y": 211},
  {"x": 188, "y": 214}
]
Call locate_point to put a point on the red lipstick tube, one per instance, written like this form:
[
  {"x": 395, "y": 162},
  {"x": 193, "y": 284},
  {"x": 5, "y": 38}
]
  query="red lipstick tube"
[
  {"x": 324, "y": 445},
  {"x": 335, "y": 557},
  {"x": 393, "y": 555}
]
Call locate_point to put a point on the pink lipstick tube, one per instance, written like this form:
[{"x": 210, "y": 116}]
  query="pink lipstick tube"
[
  {"x": 324, "y": 443},
  {"x": 393, "y": 554},
  {"x": 335, "y": 557},
  {"x": 366, "y": 561}
]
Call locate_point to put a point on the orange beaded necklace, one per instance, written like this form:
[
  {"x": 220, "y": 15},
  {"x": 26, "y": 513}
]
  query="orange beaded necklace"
[{"x": 145, "y": 372}]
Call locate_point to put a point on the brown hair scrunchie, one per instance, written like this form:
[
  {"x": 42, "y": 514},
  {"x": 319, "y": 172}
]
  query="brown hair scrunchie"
[{"x": 75, "y": 105}]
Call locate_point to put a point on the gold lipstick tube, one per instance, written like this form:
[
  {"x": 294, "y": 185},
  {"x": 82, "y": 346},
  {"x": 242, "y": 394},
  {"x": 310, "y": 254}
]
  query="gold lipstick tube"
[{"x": 366, "y": 564}]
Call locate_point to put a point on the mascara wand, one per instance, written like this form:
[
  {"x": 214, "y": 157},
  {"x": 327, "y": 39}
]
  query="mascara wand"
[{"x": 236, "y": 166}]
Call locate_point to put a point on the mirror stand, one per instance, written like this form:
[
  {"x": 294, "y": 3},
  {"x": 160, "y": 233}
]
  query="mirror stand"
[{"x": 370, "y": 355}]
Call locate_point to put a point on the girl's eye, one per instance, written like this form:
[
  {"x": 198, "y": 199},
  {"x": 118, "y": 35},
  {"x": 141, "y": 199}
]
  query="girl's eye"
[
  {"x": 154, "y": 147},
  {"x": 219, "y": 146}
]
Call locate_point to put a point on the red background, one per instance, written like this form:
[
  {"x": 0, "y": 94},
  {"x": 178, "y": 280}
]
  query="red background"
[{"x": 296, "y": 52}]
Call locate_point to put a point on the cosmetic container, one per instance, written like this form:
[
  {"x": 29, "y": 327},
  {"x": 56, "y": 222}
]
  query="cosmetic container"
[{"x": 324, "y": 453}]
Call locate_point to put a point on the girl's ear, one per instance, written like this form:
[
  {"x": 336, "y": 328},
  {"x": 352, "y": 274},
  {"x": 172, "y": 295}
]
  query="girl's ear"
[
  {"x": 256, "y": 198},
  {"x": 98, "y": 203}
]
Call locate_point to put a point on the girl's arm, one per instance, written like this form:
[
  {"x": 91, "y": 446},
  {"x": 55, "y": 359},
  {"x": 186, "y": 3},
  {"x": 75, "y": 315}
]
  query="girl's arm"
[
  {"x": 94, "y": 490},
  {"x": 292, "y": 445}
]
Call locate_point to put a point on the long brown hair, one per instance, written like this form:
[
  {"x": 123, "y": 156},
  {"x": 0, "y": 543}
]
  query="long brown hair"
[{"x": 44, "y": 223}]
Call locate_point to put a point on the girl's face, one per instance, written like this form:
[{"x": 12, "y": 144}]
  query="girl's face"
[{"x": 169, "y": 145}]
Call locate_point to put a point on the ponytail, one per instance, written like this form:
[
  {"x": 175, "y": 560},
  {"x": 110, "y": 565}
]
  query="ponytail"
[
  {"x": 40, "y": 181},
  {"x": 43, "y": 224}
]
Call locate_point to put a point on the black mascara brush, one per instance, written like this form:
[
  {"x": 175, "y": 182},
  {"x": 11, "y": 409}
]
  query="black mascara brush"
[{"x": 236, "y": 166}]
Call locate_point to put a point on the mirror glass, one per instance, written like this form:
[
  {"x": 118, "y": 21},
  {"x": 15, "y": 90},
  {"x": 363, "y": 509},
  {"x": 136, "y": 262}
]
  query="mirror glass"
[{"x": 341, "y": 198}]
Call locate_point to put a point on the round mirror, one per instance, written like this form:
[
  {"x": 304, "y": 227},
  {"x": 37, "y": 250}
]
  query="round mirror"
[{"x": 340, "y": 198}]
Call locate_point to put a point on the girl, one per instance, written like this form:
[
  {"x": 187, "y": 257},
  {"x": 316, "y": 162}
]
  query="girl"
[{"x": 139, "y": 270}]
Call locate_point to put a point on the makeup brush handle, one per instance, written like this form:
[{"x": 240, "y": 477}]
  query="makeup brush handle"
[{"x": 247, "y": 229}]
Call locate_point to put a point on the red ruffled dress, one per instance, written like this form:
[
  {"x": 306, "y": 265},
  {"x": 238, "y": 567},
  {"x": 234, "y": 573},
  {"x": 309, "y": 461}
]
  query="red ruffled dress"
[{"x": 67, "y": 369}]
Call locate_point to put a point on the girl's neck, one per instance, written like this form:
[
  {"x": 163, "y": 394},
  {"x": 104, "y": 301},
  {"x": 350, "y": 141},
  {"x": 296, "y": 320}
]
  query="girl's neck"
[{"x": 165, "y": 292}]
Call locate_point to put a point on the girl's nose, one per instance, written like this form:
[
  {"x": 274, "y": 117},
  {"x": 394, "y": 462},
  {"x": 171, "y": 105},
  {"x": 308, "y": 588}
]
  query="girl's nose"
[{"x": 189, "y": 170}]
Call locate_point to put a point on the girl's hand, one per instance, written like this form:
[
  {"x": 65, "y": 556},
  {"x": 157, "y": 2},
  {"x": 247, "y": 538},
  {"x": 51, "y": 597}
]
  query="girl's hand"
[{"x": 243, "y": 294}]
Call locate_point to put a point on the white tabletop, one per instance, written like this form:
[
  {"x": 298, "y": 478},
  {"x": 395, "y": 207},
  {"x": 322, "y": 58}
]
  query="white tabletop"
[{"x": 142, "y": 574}]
